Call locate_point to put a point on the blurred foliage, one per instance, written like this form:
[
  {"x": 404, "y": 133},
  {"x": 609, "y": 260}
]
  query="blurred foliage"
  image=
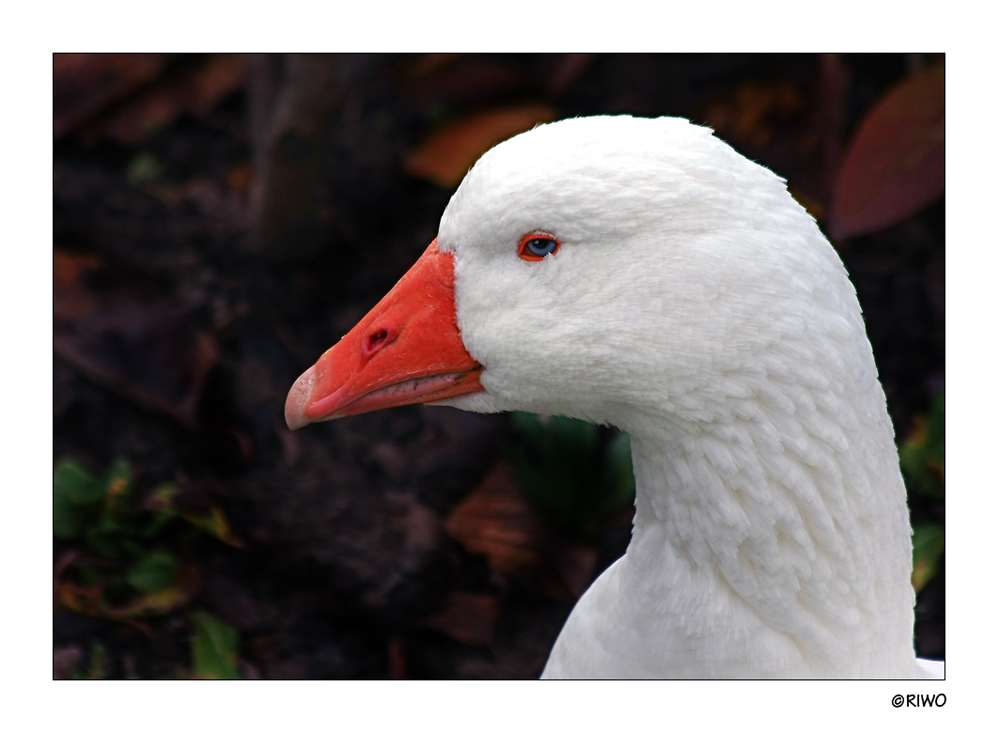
[
  {"x": 81, "y": 501},
  {"x": 213, "y": 648},
  {"x": 100, "y": 512},
  {"x": 922, "y": 453},
  {"x": 927, "y": 548},
  {"x": 131, "y": 564},
  {"x": 921, "y": 457},
  {"x": 575, "y": 474},
  {"x": 98, "y": 668}
]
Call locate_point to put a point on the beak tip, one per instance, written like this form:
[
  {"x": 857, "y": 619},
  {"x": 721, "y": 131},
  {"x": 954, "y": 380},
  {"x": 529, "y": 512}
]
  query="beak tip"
[{"x": 298, "y": 400}]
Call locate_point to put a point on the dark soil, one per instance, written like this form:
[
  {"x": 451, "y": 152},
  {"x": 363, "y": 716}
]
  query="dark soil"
[{"x": 202, "y": 296}]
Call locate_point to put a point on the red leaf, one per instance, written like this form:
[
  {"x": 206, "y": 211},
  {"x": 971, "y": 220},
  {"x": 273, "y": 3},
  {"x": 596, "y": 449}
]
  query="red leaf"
[{"x": 895, "y": 163}]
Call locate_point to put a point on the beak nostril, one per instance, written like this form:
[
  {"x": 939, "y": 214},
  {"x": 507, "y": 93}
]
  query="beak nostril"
[{"x": 375, "y": 342}]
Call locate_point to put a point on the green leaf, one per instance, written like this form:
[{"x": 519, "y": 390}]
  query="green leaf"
[
  {"x": 105, "y": 536},
  {"x": 213, "y": 648},
  {"x": 131, "y": 549},
  {"x": 927, "y": 547},
  {"x": 570, "y": 472},
  {"x": 76, "y": 500},
  {"x": 152, "y": 573},
  {"x": 160, "y": 521},
  {"x": 618, "y": 474},
  {"x": 922, "y": 454},
  {"x": 79, "y": 498},
  {"x": 214, "y": 523},
  {"x": 68, "y": 519},
  {"x": 74, "y": 485}
]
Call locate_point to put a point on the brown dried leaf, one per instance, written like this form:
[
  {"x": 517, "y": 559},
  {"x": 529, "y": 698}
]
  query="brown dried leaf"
[
  {"x": 465, "y": 617},
  {"x": 68, "y": 268},
  {"x": 85, "y": 85},
  {"x": 496, "y": 521},
  {"x": 71, "y": 298},
  {"x": 895, "y": 163},
  {"x": 197, "y": 92},
  {"x": 89, "y": 600},
  {"x": 447, "y": 155}
]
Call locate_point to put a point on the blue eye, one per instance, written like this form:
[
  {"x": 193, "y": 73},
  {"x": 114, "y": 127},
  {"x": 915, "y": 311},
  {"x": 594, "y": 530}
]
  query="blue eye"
[{"x": 535, "y": 246}]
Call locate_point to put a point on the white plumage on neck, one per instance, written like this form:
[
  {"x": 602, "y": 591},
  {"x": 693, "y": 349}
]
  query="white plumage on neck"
[{"x": 694, "y": 304}]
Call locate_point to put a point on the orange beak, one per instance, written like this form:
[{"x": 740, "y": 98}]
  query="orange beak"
[{"x": 406, "y": 350}]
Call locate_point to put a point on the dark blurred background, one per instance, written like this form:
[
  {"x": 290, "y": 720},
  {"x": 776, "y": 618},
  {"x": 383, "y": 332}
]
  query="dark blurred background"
[{"x": 220, "y": 220}]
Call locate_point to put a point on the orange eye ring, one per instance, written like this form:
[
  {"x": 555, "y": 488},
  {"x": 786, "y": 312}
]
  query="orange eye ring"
[{"x": 536, "y": 246}]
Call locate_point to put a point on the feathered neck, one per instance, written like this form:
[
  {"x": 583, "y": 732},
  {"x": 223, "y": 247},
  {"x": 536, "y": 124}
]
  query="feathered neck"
[{"x": 772, "y": 539}]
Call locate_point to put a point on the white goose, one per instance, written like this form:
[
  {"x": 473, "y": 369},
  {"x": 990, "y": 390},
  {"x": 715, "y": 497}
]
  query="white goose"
[{"x": 640, "y": 273}]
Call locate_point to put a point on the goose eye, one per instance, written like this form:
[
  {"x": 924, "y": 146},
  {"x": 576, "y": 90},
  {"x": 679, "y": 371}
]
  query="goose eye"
[{"x": 535, "y": 246}]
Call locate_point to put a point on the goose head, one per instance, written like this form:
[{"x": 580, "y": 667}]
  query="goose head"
[
  {"x": 640, "y": 273},
  {"x": 612, "y": 269}
]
